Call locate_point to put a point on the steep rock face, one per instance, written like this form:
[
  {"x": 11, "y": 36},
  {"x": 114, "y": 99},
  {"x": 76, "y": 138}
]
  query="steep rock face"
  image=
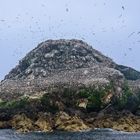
[
  {"x": 54, "y": 55},
  {"x": 55, "y": 64}
]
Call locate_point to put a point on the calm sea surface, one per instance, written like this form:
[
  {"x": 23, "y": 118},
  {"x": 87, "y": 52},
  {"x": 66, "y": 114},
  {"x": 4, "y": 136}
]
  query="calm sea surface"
[{"x": 99, "y": 134}]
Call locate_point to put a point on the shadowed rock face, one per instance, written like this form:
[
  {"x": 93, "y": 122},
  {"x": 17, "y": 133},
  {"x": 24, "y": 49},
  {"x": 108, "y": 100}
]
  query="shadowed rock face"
[
  {"x": 58, "y": 64},
  {"x": 129, "y": 73}
]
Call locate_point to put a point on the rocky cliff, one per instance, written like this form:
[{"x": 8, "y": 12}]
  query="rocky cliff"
[
  {"x": 64, "y": 78},
  {"x": 56, "y": 55},
  {"x": 60, "y": 63}
]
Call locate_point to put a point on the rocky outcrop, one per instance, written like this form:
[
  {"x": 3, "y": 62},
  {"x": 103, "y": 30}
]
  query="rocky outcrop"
[
  {"x": 55, "y": 55},
  {"x": 121, "y": 121},
  {"x": 69, "y": 86},
  {"x": 64, "y": 122},
  {"x": 59, "y": 64},
  {"x": 74, "y": 79},
  {"x": 129, "y": 73},
  {"x": 43, "y": 123},
  {"x": 22, "y": 123}
]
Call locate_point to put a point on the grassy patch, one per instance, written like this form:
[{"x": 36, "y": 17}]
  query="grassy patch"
[
  {"x": 95, "y": 97},
  {"x": 15, "y": 103}
]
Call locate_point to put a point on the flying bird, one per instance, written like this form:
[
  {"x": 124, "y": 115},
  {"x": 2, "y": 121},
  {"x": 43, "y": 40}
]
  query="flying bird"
[
  {"x": 131, "y": 34},
  {"x": 67, "y": 9},
  {"x": 2, "y": 20},
  {"x": 123, "y": 7},
  {"x": 120, "y": 16},
  {"x": 125, "y": 54}
]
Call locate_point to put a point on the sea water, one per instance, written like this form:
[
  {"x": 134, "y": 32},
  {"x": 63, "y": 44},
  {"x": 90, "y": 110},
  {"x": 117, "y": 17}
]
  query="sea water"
[{"x": 98, "y": 134}]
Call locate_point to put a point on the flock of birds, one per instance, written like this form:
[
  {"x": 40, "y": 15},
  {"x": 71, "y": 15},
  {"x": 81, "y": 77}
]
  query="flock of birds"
[{"x": 40, "y": 30}]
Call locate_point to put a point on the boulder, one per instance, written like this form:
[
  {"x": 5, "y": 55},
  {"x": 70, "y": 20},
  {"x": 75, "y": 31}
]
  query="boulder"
[
  {"x": 43, "y": 123},
  {"x": 64, "y": 122},
  {"x": 22, "y": 123}
]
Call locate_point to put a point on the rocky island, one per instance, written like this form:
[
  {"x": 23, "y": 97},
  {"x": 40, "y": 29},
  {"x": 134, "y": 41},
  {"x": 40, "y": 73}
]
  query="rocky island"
[{"x": 67, "y": 85}]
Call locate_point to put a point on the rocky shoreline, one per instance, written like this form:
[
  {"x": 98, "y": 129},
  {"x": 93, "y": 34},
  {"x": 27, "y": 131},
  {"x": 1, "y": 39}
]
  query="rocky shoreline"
[
  {"x": 31, "y": 116},
  {"x": 64, "y": 122}
]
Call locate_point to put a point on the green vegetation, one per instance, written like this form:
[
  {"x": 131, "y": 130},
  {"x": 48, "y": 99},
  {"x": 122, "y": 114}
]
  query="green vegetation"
[
  {"x": 68, "y": 97},
  {"x": 134, "y": 102},
  {"x": 123, "y": 101},
  {"x": 48, "y": 104},
  {"x": 95, "y": 97},
  {"x": 15, "y": 103}
]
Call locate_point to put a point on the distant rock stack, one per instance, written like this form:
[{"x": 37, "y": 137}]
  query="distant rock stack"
[{"x": 58, "y": 64}]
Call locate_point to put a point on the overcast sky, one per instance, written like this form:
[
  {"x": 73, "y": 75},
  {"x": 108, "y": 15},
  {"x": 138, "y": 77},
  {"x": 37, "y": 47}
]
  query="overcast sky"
[{"x": 111, "y": 26}]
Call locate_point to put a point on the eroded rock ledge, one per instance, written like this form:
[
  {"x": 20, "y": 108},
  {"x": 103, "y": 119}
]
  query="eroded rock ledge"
[{"x": 64, "y": 122}]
